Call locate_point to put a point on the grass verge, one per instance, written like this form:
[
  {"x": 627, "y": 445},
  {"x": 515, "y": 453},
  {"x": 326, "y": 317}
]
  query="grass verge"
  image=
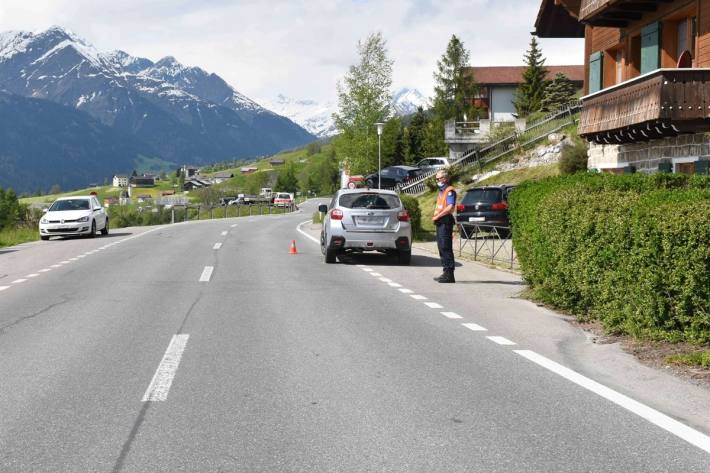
[{"x": 15, "y": 236}]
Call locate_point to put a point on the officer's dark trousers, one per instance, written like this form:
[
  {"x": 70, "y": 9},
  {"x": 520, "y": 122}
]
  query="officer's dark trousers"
[{"x": 444, "y": 232}]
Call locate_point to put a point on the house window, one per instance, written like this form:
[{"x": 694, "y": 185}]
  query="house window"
[
  {"x": 619, "y": 66},
  {"x": 682, "y": 35}
]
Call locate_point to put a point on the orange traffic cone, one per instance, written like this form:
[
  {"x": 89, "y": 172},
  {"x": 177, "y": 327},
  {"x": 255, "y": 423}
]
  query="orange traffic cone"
[{"x": 293, "y": 250}]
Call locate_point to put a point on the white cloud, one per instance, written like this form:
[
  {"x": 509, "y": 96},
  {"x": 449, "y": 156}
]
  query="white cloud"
[{"x": 299, "y": 48}]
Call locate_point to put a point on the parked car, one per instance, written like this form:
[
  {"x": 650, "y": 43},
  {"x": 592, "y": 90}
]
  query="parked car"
[
  {"x": 81, "y": 215},
  {"x": 283, "y": 199},
  {"x": 486, "y": 206},
  {"x": 433, "y": 164},
  {"x": 358, "y": 220},
  {"x": 393, "y": 176}
]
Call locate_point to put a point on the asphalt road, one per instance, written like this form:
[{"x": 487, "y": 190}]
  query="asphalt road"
[{"x": 206, "y": 346}]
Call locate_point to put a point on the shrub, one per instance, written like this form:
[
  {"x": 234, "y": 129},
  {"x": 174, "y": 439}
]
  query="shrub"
[
  {"x": 573, "y": 158},
  {"x": 415, "y": 214},
  {"x": 632, "y": 251}
]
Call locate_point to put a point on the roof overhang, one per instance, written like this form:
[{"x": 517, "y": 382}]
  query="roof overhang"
[{"x": 558, "y": 19}]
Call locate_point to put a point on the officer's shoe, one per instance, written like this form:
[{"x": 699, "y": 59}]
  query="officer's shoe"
[
  {"x": 440, "y": 277},
  {"x": 447, "y": 277}
]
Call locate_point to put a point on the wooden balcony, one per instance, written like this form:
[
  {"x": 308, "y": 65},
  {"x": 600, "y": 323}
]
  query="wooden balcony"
[
  {"x": 662, "y": 103},
  {"x": 616, "y": 13}
]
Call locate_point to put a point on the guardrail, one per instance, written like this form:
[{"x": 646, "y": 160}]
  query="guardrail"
[
  {"x": 537, "y": 131},
  {"x": 226, "y": 211},
  {"x": 488, "y": 242}
]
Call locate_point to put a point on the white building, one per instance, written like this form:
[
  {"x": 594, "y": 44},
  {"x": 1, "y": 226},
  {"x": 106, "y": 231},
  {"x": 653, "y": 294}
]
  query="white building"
[{"x": 120, "y": 181}]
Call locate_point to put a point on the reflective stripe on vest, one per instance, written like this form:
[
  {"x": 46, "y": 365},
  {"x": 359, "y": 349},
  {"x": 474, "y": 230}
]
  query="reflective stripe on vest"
[{"x": 441, "y": 198}]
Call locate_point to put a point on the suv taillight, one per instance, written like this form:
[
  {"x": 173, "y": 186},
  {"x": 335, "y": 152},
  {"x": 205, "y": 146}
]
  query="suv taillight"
[
  {"x": 403, "y": 216},
  {"x": 499, "y": 206},
  {"x": 336, "y": 214},
  {"x": 460, "y": 207}
]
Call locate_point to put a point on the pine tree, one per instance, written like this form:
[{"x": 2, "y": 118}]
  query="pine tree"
[
  {"x": 417, "y": 130},
  {"x": 364, "y": 99},
  {"x": 529, "y": 96},
  {"x": 558, "y": 93},
  {"x": 454, "y": 88}
]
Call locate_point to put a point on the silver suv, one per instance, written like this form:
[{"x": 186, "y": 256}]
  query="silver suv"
[{"x": 358, "y": 220}]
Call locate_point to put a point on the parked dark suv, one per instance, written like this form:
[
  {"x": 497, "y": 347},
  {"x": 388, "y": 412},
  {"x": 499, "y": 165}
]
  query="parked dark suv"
[
  {"x": 487, "y": 207},
  {"x": 393, "y": 176}
]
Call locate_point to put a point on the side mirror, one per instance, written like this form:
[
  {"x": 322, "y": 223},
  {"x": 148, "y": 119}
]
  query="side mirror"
[
  {"x": 44, "y": 211},
  {"x": 323, "y": 208}
]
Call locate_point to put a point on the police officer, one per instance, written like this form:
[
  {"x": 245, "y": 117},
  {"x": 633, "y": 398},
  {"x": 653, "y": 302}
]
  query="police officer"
[{"x": 444, "y": 221}]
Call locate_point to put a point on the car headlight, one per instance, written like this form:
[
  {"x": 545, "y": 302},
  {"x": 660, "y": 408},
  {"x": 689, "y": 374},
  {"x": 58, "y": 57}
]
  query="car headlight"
[
  {"x": 83, "y": 219},
  {"x": 44, "y": 220}
]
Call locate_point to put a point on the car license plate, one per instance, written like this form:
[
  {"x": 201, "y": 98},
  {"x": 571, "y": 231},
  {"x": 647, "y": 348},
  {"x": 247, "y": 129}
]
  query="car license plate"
[
  {"x": 370, "y": 220},
  {"x": 476, "y": 219}
]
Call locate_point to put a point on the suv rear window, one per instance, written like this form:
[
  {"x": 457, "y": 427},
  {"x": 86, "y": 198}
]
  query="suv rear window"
[
  {"x": 369, "y": 200},
  {"x": 482, "y": 195}
]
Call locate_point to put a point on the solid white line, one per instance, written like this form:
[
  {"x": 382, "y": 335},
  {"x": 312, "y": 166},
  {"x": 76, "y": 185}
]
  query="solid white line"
[
  {"x": 224, "y": 233},
  {"x": 312, "y": 238},
  {"x": 2, "y": 288},
  {"x": 163, "y": 378},
  {"x": 475, "y": 327},
  {"x": 678, "y": 429},
  {"x": 206, "y": 273},
  {"x": 217, "y": 246},
  {"x": 451, "y": 315},
  {"x": 434, "y": 305},
  {"x": 406, "y": 291},
  {"x": 385, "y": 280},
  {"x": 418, "y": 297},
  {"x": 394, "y": 284},
  {"x": 33, "y": 275},
  {"x": 18, "y": 281},
  {"x": 501, "y": 341}
]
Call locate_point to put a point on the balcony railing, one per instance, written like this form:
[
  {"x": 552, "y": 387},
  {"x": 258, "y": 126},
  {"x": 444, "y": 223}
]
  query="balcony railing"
[
  {"x": 590, "y": 7},
  {"x": 662, "y": 103}
]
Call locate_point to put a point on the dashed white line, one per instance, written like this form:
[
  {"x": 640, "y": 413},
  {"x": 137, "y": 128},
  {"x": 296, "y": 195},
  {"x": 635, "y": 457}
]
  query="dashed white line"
[
  {"x": 404, "y": 290},
  {"x": 45, "y": 270},
  {"x": 163, "y": 378},
  {"x": 418, "y": 297},
  {"x": 224, "y": 233},
  {"x": 377, "y": 275},
  {"x": 217, "y": 246},
  {"x": 232, "y": 226},
  {"x": 434, "y": 305},
  {"x": 206, "y": 273},
  {"x": 64, "y": 262},
  {"x": 33, "y": 275},
  {"x": 369, "y": 270},
  {"x": 385, "y": 280},
  {"x": 394, "y": 284},
  {"x": 676, "y": 428},
  {"x": 57, "y": 265},
  {"x": 73, "y": 259},
  {"x": 18, "y": 281},
  {"x": 475, "y": 327},
  {"x": 2, "y": 288},
  {"x": 501, "y": 340},
  {"x": 451, "y": 315}
]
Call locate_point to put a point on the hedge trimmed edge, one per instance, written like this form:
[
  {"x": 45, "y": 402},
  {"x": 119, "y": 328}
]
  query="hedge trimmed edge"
[{"x": 632, "y": 251}]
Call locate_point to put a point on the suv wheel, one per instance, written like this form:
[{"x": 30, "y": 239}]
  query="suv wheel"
[{"x": 328, "y": 253}]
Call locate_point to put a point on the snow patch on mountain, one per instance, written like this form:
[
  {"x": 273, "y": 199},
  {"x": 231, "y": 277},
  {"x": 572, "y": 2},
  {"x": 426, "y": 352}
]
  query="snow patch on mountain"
[
  {"x": 315, "y": 117},
  {"x": 406, "y": 101}
]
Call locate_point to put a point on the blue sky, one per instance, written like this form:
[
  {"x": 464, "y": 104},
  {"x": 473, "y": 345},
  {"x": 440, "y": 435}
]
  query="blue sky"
[{"x": 298, "y": 48}]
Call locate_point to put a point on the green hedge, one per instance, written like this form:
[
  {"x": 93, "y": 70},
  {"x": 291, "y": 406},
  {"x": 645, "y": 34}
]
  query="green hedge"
[
  {"x": 415, "y": 214},
  {"x": 632, "y": 251}
]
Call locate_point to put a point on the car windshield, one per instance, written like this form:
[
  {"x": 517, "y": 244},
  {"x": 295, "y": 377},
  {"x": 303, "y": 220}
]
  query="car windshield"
[
  {"x": 70, "y": 204},
  {"x": 482, "y": 195},
  {"x": 283, "y": 196},
  {"x": 369, "y": 201}
]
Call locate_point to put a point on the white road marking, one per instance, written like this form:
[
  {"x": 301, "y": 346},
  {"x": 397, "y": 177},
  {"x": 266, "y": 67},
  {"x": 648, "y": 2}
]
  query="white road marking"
[
  {"x": 394, "y": 284},
  {"x": 312, "y": 238},
  {"x": 377, "y": 275},
  {"x": 676, "y": 428},
  {"x": 206, "y": 273},
  {"x": 385, "y": 280},
  {"x": 57, "y": 265},
  {"x": 33, "y": 275},
  {"x": 418, "y": 297},
  {"x": 475, "y": 327},
  {"x": 45, "y": 270},
  {"x": 405, "y": 290},
  {"x": 369, "y": 270},
  {"x": 232, "y": 226},
  {"x": 18, "y": 281},
  {"x": 2, "y": 288},
  {"x": 501, "y": 341},
  {"x": 73, "y": 259},
  {"x": 434, "y": 305},
  {"x": 224, "y": 233},
  {"x": 163, "y": 378},
  {"x": 359, "y": 265},
  {"x": 217, "y": 246},
  {"x": 64, "y": 262},
  {"x": 451, "y": 315},
  {"x": 80, "y": 256}
]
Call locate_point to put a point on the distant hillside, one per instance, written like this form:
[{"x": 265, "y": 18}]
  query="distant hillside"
[{"x": 43, "y": 143}]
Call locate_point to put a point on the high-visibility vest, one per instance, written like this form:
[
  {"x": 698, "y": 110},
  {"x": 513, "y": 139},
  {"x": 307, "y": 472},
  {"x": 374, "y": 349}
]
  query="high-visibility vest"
[{"x": 441, "y": 198}]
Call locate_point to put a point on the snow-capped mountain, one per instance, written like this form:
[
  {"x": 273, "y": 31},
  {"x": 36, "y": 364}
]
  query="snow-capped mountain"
[
  {"x": 184, "y": 114},
  {"x": 317, "y": 118}
]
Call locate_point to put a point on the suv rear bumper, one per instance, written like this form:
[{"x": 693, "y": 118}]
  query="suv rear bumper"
[{"x": 371, "y": 242}]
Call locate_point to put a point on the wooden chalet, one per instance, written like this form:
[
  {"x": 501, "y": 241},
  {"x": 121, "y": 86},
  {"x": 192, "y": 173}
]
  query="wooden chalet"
[{"x": 647, "y": 79}]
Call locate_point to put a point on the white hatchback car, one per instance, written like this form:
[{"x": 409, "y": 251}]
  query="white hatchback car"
[{"x": 78, "y": 215}]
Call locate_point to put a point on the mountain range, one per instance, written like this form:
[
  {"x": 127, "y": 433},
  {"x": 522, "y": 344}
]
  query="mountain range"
[
  {"x": 111, "y": 112},
  {"x": 317, "y": 117}
]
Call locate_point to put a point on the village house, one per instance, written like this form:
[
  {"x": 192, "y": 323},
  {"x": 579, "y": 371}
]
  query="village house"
[
  {"x": 120, "y": 181},
  {"x": 248, "y": 170},
  {"x": 647, "y": 81},
  {"x": 141, "y": 181},
  {"x": 189, "y": 171},
  {"x": 222, "y": 176}
]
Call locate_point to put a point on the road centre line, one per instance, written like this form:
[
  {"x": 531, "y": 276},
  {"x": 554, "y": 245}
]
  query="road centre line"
[
  {"x": 18, "y": 281},
  {"x": 433, "y": 305},
  {"x": 2, "y": 288},
  {"x": 224, "y": 233},
  {"x": 475, "y": 327},
  {"x": 206, "y": 273},
  {"x": 45, "y": 270},
  {"x": 163, "y": 378},
  {"x": 385, "y": 280},
  {"x": 501, "y": 340},
  {"x": 394, "y": 284},
  {"x": 404, "y": 290},
  {"x": 59, "y": 265},
  {"x": 657, "y": 418},
  {"x": 33, "y": 275},
  {"x": 234, "y": 225},
  {"x": 217, "y": 246},
  {"x": 418, "y": 297},
  {"x": 377, "y": 275},
  {"x": 369, "y": 270},
  {"x": 451, "y": 315}
]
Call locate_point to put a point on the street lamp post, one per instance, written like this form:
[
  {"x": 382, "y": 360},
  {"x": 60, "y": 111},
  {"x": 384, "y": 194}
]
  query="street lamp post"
[{"x": 380, "y": 126}]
